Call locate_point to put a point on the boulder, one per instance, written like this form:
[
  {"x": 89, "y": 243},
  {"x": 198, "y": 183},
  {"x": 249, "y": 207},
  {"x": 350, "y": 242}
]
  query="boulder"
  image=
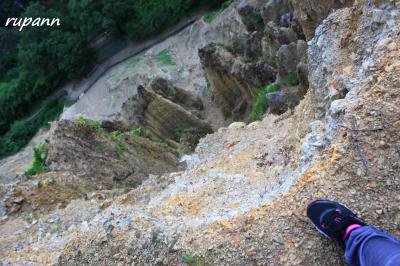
[
  {"x": 302, "y": 74},
  {"x": 279, "y": 102},
  {"x": 166, "y": 89},
  {"x": 165, "y": 118},
  {"x": 287, "y": 59},
  {"x": 236, "y": 125},
  {"x": 254, "y": 74},
  {"x": 278, "y": 36},
  {"x": 289, "y": 56},
  {"x": 311, "y": 13},
  {"x": 276, "y": 11},
  {"x": 253, "y": 47}
]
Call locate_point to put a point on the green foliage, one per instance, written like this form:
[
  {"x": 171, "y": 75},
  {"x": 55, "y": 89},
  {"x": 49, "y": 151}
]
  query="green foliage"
[
  {"x": 211, "y": 16},
  {"x": 40, "y": 153},
  {"x": 134, "y": 61},
  {"x": 195, "y": 260},
  {"x": 179, "y": 132},
  {"x": 172, "y": 93},
  {"x": 274, "y": 49},
  {"x": 292, "y": 79},
  {"x": 89, "y": 17},
  {"x": 118, "y": 137},
  {"x": 21, "y": 132},
  {"x": 257, "y": 22},
  {"x": 272, "y": 61},
  {"x": 83, "y": 121},
  {"x": 214, "y": 14},
  {"x": 189, "y": 259},
  {"x": 152, "y": 16},
  {"x": 44, "y": 59},
  {"x": 189, "y": 138},
  {"x": 226, "y": 4},
  {"x": 165, "y": 58},
  {"x": 8, "y": 50},
  {"x": 139, "y": 132},
  {"x": 68, "y": 103},
  {"x": 207, "y": 81},
  {"x": 38, "y": 60},
  {"x": 229, "y": 48},
  {"x": 261, "y": 104}
]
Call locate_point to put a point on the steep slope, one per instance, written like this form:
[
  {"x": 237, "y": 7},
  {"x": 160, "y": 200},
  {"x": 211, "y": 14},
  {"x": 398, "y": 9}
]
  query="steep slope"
[
  {"x": 175, "y": 59},
  {"x": 16, "y": 165}
]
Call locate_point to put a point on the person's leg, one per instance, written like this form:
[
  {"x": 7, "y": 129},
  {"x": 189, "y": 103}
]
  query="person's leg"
[
  {"x": 364, "y": 245},
  {"x": 370, "y": 246}
]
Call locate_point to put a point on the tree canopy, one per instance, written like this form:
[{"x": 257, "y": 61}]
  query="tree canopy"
[{"x": 38, "y": 60}]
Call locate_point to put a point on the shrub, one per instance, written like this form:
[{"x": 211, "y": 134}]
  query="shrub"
[
  {"x": 257, "y": 22},
  {"x": 134, "y": 61},
  {"x": 21, "y": 132},
  {"x": 212, "y": 15},
  {"x": 195, "y": 260},
  {"x": 229, "y": 48},
  {"x": 179, "y": 132},
  {"x": 83, "y": 121},
  {"x": 40, "y": 153},
  {"x": 189, "y": 259},
  {"x": 172, "y": 94},
  {"x": 292, "y": 79},
  {"x": 189, "y": 138},
  {"x": 137, "y": 132},
  {"x": 165, "y": 58},
  {"x": 118, "y": 137},
  {"x": 261, "y": 104}
]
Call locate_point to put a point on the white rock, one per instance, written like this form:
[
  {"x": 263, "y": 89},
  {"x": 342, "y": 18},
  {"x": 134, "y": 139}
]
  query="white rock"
[
  {"x": 338, "y": 106},
  {"x": 221, "y": 129},
  {"x": 383, "y": 43},
  {"x": 253, "y": 124},
  {"x": 237, "y": 125},
  {"x": 391, "y": 46}
]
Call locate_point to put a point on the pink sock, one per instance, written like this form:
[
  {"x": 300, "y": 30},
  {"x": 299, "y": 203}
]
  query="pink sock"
[{"x": 351, "y": 228}]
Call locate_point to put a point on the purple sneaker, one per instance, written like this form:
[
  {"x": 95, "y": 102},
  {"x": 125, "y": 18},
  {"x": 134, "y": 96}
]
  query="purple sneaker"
[{"x": 333, "y": 220}]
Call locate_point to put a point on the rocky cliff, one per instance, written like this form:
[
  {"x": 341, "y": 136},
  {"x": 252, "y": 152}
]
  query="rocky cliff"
[{"x": 241, "y": 199}]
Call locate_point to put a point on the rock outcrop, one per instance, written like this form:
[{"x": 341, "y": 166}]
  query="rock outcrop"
[
  {"x": 108, "y": 159},
  {"x": 281, "y": 101},
  {"x": 272, "y": 52},
  {"x": 165, "y": 110},
  {"x": 187, "y": 100},
  {"x": 166, "y": 118},
  {"x": 233, "y": 81},
  {"x": 311, "y": 13}
]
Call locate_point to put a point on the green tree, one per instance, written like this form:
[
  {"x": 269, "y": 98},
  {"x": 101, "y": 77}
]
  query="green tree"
[{"x": 152, "y": 16}]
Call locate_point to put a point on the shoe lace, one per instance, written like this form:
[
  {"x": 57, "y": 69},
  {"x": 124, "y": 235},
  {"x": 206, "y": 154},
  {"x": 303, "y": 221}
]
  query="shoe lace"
[{"x": 336, "y": 222}]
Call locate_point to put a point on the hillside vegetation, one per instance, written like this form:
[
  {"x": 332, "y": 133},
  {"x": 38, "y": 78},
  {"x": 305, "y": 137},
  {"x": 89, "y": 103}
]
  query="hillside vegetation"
[{"x": 35, "y": 62}]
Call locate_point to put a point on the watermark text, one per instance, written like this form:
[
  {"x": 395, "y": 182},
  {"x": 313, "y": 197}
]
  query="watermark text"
[{"x": 34, "y": 22}]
